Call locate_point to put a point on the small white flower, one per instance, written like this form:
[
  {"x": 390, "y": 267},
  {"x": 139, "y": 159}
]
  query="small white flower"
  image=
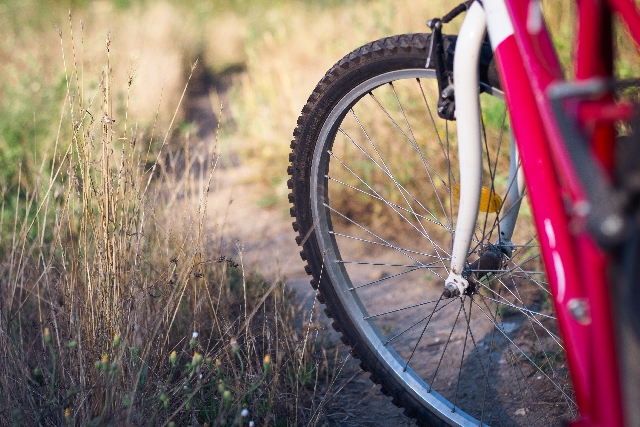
[
  {"x": 245, "y": 412},
  {"x": 252, "y": 424},
  {"x": 200, "y": 376},
  {"x": 194, "y": 335},
  {"x": 185, "y": 387}
]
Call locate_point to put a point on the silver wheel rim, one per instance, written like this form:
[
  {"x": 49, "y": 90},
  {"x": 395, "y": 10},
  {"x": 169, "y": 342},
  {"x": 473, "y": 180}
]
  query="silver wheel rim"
[{"x": 334, "y": 264}]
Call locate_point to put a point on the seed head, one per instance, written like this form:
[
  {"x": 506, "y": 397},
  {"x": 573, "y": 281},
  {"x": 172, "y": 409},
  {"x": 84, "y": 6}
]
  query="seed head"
[
  {"x": 47, "y": 336},
  {"x": 107, "y": 119},
  {"x": 165, "y": 400},
  {"x": 173, "y": 357},
  {"x": 38, "y": 373},
  {"x": 234, "y": 344},
  {"x": 116, "y": 340},
  {"x": 197, "y": 359}
]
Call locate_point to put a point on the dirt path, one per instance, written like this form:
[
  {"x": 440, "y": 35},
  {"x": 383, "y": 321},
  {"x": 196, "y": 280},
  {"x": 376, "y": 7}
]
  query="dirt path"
[{"x": 263, "y": 240}]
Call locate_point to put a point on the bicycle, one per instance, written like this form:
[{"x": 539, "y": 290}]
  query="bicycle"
[{"x": 472, "y": 298}]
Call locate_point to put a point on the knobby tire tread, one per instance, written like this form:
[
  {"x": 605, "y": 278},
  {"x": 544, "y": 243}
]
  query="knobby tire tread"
[{"x": 387, "y": 54}]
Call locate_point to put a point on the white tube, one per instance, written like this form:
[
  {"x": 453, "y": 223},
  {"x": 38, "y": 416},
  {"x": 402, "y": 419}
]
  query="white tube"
[
  {"x": 515, "y": 190},
  {"x": 467, "y": 93}
]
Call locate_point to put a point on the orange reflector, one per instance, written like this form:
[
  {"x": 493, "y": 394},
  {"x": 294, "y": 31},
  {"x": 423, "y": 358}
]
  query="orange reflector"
[{"x": 489, "y": 202}]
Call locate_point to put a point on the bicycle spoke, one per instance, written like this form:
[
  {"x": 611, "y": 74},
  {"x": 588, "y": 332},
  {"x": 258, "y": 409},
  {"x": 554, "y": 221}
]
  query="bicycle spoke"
[
  {"x": 455, "y": 322},
  {"x": 512, "y": 357},
  {"x": 377, "y": 197},
  {"x": 504, "y": 334},
  {"x": 381, "y": 244},
  {"x": 422, "y": 158},
  {"x": 525, "y": 311},
  {"x": 464, "y": 348},
  {"x": 417, "y": 323},
  {"x": 401, "y": 131},
  {"x": 388, "y": 171},
  {"x": 393, "y": 276},
  {"x": 386, "y": 242},
  {"x": 539, "y": 341},
  {"x": 424, "y": 234},
  {"x": 422, "y": 334},
  {"x": 401, "y": 309}
]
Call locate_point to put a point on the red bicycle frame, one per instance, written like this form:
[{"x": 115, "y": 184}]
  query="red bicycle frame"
[{"x": 577, "y": 267}]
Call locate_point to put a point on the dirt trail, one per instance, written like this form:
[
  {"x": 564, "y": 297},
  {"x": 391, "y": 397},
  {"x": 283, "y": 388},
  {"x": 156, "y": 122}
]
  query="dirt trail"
[{"x": 263, "y": 240}]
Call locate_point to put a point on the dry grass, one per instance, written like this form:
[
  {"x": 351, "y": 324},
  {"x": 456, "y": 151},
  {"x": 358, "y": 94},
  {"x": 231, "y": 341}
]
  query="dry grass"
[
  {"x": 285, "y": 49},
  {"x": 118, "y": 307},
  {"x": 290, "y": 52}
]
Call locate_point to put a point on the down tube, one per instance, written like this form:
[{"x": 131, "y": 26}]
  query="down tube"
[
  {"x": 547, "y": 205},
  {"x": 530, "y": 55}
]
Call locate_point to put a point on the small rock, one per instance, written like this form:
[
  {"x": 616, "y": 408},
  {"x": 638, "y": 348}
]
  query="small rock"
[
  {"x": 520, "y": 412},
  {"x": 509, "y": 327}
]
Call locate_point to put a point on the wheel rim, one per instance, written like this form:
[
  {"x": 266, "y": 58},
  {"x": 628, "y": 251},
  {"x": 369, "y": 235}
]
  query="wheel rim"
[{"x": 384, "y": 217}]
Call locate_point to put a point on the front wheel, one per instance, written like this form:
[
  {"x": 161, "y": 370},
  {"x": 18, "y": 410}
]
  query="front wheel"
[{"x": 375, "y": 195}]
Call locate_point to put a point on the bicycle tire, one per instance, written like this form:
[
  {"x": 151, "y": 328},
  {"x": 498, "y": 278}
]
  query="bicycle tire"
[{"x": 348, "y": 83}]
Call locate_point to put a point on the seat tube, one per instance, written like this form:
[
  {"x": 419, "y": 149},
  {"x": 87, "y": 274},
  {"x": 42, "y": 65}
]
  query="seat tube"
[{"x": 467, "y": 93}]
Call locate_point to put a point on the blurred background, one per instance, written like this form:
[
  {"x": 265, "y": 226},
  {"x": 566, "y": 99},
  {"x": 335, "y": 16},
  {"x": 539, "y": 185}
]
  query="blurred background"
[{"x": 260, "y": 58}]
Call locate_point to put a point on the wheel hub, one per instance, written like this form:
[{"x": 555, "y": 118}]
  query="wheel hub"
[{"x": 490, "y": 261}]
